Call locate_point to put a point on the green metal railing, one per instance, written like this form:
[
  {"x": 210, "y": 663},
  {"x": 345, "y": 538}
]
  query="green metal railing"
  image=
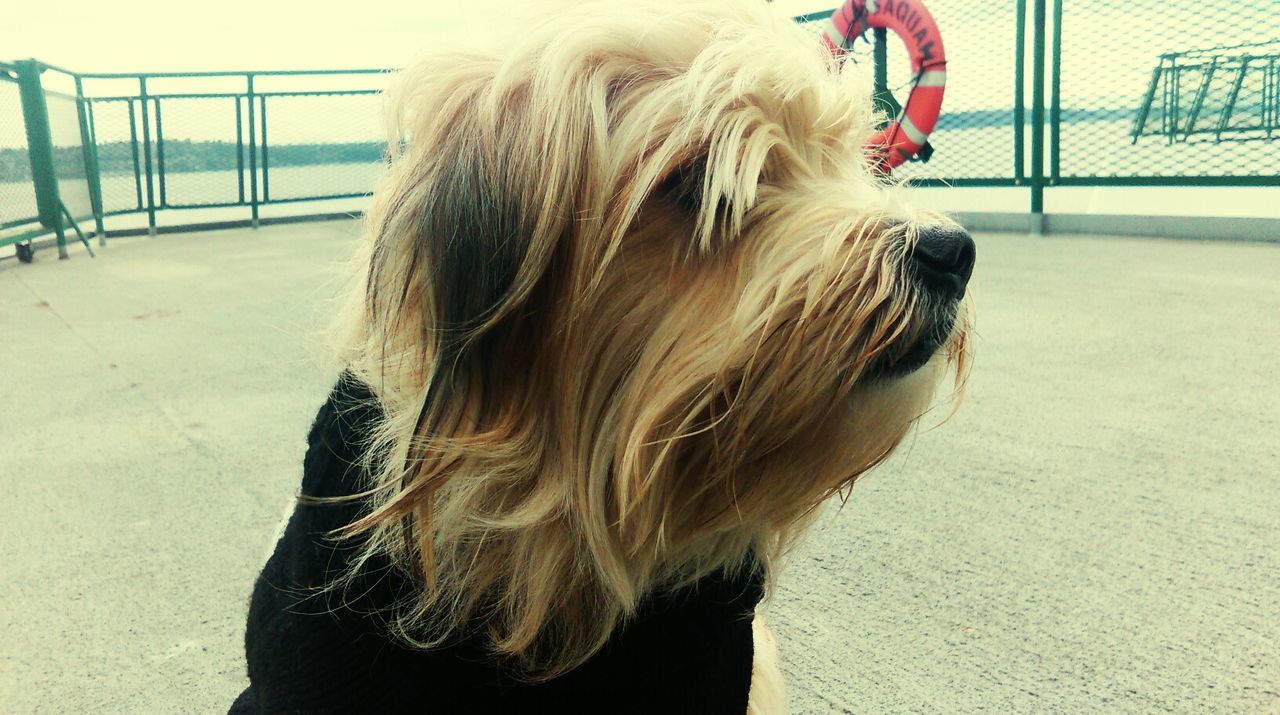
[
  {"x": 172, "y": 170},
  {"x": 169, "y": 141},
  {"x": 56, "y": 196},
  {"x": 1195, "y": 104},
  {"x": 1093, "y": 105}
]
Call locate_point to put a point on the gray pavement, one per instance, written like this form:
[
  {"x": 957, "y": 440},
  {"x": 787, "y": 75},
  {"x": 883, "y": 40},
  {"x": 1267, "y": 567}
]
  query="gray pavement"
[{"x": 1096, "y": 530}]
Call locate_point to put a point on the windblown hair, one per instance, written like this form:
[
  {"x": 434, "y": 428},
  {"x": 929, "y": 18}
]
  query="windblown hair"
[{"x": 618, "y": 298}]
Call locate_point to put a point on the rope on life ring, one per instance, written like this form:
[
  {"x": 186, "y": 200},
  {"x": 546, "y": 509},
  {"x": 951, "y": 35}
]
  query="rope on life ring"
[{"x": 906, "y": 135}]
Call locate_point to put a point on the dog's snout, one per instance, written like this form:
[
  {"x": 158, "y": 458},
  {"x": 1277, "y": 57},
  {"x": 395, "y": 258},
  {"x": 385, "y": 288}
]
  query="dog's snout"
[{"x": 942, "y": 259}]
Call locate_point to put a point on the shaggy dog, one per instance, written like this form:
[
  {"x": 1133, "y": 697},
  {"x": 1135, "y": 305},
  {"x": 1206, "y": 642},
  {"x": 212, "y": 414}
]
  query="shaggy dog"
[{"x": 631, "y": 303}]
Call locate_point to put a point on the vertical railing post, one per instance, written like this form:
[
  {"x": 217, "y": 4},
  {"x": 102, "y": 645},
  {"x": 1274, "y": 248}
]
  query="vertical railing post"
[
  {"x": 1019, "y": 92},
  {"x": 35, "y": 115},
  {"x": 1271, "y": 105},
  {"x": 164, "y": 189},
  {"x": 266, "y": 164},
  {"x": 93, "y": 148},
  {"x": 1037, "y": 120},
  {"x": 146, "y": 155},
  {"x": 881, "y": 95},
  {"x": 1055, "y": 106},
  {"x": 253, "y": 154},
  {"x": 133, "y": 153},
  {"x": 1268, "y": 96},
  {"x": 92, "y": 176},
  {"x": 239, "y": 153}
]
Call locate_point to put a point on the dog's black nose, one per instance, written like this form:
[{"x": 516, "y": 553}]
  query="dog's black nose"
[{"x": 942, "y": 259}]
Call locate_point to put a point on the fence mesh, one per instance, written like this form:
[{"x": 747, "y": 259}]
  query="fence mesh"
[
  {"x": 974, "y": 137},
  {"x": 17, "y": 193},
  {"x": 196, "y": 162},
  {"x": 302, "y": 145},
  {"x": 68, "y": 154},
  {"x": 118, "y": 152},
  {"x": 1170, "y": 88},
  {"x": 322, "y": 144}
]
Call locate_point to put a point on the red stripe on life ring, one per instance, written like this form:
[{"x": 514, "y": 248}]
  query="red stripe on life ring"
[{"x": 909, "y": 20}]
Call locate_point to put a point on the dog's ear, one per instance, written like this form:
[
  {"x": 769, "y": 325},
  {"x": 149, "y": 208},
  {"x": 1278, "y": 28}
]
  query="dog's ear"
[
  {"x": 481, "y": 192},
  {"x": 476, "y": 233}
]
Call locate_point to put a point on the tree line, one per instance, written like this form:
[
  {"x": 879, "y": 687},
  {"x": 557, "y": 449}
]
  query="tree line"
[{"x": 184, "y": 155}]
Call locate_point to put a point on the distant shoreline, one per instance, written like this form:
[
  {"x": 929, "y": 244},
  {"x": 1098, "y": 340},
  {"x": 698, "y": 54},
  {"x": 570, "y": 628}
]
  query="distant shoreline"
[{"x": 184, "y": 155}]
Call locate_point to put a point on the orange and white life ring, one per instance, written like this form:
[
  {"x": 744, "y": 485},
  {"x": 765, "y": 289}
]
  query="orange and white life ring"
[{"x": 908, "y": 132}]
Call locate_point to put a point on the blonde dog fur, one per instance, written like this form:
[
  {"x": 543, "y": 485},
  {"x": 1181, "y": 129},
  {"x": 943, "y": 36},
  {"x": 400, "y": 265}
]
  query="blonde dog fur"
[{"x": 664, "y": 351}]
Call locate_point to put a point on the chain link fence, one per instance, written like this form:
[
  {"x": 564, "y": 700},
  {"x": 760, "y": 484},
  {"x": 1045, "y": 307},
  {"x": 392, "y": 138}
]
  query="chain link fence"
[
  {"x": 1137, "y": 93},
  {"x": 45, "y": 179},
  {"x": 17, "y": 193},
  {"x": 197, "y": 160},
  {"x": 69, "y": 154},
  {"x": 1169, "y": 88},
  {"x": 179, "y": 141},
  {"x": 1144, "y": 93},
  {"x": 115, "y": 127},
  {"x": 975, "y": 138},
  {"x": 299, "y": 139},
  {"x": 340, "y": 156}
]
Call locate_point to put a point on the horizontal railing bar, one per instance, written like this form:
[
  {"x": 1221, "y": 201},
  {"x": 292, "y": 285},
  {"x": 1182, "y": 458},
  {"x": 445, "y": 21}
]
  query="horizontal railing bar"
[
  {"x": 231, "y": 95},
  {"x": 242, "y": 204},
  {"x": 318, "y": 93},
  {"x": 193, "y": 95},
  {"x": 176, "y": 207},
  {"x": 46, "y": 66},
  {"x": 1205, "y": 181},
  {"x": 18, "y": 222},
  {"x": 227, "y": 205},
  {"x": 38, "y": 230},
  {"x": 233, "y": 73},
  {"x": 965, "y": 181},
  {"x": 328, "y": 197},
  {"x": 236, "y": 223},
  {"x": 24, "y": 236}
]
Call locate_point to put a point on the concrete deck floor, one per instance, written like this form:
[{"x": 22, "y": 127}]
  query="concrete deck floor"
[{"x": 1097, "y": 530}]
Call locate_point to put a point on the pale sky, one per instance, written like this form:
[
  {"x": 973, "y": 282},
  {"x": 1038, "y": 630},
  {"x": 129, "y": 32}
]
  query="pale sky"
[{"x": 163, "y": 35}]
